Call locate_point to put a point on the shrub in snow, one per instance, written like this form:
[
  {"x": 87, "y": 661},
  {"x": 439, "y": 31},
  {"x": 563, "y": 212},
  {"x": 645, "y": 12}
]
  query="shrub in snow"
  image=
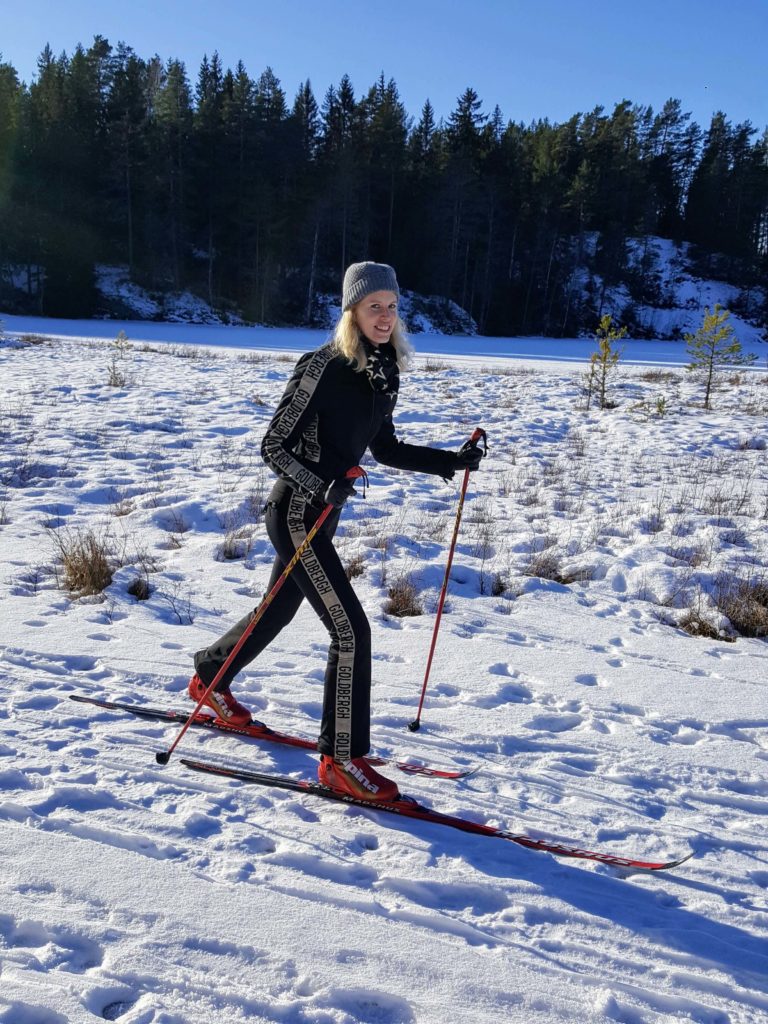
[
  {"x": 140, "y": 588},
  {"x": 86, "y": 559},
  {"x": 743, "y": 599},
  {"x": 403, "y": 599}
]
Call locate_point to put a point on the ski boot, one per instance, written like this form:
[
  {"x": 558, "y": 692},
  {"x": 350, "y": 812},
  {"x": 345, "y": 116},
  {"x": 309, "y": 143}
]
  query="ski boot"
[
  {"x": 356, "y": 778},
  {"x": 221, "y": 701}
]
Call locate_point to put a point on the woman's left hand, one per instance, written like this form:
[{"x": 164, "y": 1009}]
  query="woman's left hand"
[
  {"x": 337, "y": 492},
  {"x": 468, "y": 456}
]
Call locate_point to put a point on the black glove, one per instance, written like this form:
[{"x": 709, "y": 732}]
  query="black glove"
[
  {"x": 337, "y": 492},
  {"x": 468, "y": 456}
]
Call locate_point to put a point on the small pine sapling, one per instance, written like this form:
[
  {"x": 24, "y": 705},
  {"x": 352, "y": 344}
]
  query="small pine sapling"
[
  {"x": 714, "y": 345},
  {"x": 120, "y": 348},
  {"x": 603, "y": 362}
]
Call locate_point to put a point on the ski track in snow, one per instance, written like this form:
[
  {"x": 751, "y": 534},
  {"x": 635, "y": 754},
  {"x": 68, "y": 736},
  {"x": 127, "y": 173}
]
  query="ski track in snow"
[{"x": 150, "y": 895}]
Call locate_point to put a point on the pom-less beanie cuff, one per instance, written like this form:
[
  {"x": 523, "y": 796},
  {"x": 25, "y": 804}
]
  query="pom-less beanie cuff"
[{"x": 363, "y": 278}]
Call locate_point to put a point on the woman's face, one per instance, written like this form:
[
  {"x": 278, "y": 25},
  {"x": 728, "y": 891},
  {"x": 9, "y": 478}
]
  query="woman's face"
[{"x": 376, "y": 316}]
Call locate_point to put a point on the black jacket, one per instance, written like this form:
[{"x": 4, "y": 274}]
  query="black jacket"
[{"x": 329, "y": 414}]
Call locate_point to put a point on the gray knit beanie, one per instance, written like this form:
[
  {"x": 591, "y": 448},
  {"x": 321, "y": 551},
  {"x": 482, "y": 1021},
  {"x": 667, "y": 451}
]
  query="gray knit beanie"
[{"x": 363, "y": 278}]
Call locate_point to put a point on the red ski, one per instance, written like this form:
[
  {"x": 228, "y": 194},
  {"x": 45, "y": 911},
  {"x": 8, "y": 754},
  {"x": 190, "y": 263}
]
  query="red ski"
[
  {"x": 406, "y": 807},
  {"x": 260, "y": 731}
]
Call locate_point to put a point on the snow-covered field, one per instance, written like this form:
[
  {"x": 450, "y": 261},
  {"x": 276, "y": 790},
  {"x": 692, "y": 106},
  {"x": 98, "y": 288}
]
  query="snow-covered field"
[{"x": 139, "y": 894}]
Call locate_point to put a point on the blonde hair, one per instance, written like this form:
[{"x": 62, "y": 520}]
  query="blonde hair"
[{"x": 347, "y": 341}]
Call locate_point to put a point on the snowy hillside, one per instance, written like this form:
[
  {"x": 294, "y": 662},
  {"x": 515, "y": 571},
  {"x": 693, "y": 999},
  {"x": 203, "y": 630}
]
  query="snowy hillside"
[
  {"x": 677, "y": 295},
  {"x": 593, "y": 545},
  {"x": 122, "y": 299},
  {"x": 676, "y": 298}
]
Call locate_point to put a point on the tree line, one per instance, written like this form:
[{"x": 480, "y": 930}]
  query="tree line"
[{"x": 258, "y": 204}]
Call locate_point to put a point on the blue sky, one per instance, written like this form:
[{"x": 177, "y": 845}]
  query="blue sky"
[{"x": 535, "y": 58}]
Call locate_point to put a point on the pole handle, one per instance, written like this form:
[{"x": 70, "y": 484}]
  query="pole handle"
[{"x": 478, "y": 434}]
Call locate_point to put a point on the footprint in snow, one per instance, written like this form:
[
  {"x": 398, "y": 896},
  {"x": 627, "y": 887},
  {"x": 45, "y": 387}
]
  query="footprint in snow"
[
  {"x": 117, "y": 1009},
  {"x": 555, "y": 723},
  {"x": 687, "y": 733},
  {"x": 506, "y": 693},
  {"x": 53, "y": 664},
  {"x": 578, "y": 765},
  {"x": 635, "y": 710},
  {"x": 591, "y": 679},
  {"x": 368, "y": 1006},
  {"x": 36, "y": 703},
  {"x": 26, "y": 1013},
  {"x": 56, "y": 948},
  {"x": 586, "y": 679}
]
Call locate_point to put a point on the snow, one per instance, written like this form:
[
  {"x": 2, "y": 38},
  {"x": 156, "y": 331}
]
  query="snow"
[
  {"x": 119, "y": 292},
  {"x": 151, "y": 895}
]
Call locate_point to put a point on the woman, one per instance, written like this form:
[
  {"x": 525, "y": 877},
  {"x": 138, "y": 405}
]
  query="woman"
[{"x": 338, "y": 403}]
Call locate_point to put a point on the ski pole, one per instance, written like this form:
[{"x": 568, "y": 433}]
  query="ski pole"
[
  {"x": 165, "y": 756},
  {"x": 477, "y": 435}
]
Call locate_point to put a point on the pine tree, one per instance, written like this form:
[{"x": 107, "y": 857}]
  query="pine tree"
[
  {"x": 210, "y": 171},
  {"x": 271, "y": 108},
  {"x": 714, "y": 346},
  {"x": 666, "y": 158},
  {"x": 339, "y": 165},
  {"x": 465, "y": 124},
  {"x": 304, "y": 208},
  {"x": 10, "y": 97},
  {"x": 603, "y": 362},
  {"x": 171, "y": 157},
  {"x": 705, "y": 214},
  {"x": 423, "y": 133},
  {"x": 64, "y": 245},
  {"x": 128, "y": 112},
  {"x": 305, "y": 116},
  {"x": 386, "y": 133},
  {"x": 271, "y": 193}
]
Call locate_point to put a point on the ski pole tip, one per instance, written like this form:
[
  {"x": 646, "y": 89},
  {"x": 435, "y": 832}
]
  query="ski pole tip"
[
  {"x": 163, "y": 758},
  {"x": 414, "y": 726}
]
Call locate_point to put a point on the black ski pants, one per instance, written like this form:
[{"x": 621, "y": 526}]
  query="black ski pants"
[{"x": 319, "y": 577}]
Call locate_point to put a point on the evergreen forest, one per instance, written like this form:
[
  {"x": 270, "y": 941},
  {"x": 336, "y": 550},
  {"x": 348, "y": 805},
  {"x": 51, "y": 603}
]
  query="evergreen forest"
[{"x": 257, "y": 202}]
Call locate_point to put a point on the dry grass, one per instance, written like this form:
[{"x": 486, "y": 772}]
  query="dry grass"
[
  {"x": 86, "y": 558},
  {"x": 237, "y": 544},
  {"x": 431, "y": 365},
  {"x": 500, "y": 585},
  {"x": 140, "y": 588},
  {"x": 403, "y": 599},
  {"x": 544, "y": 565},
  {"x": 355, "y": 567},
  {"x": 254, "y": 358},
  {"x": 744, "y": 602},
  {"x": 658, "y": 376},
  {"x": 33, "y": 339},
  {"x": 192, "y": 352},
  {"x": 696, "y": 624},
  {"x": 697, "y": 620},
  {"x": 547, "y": 565}
]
